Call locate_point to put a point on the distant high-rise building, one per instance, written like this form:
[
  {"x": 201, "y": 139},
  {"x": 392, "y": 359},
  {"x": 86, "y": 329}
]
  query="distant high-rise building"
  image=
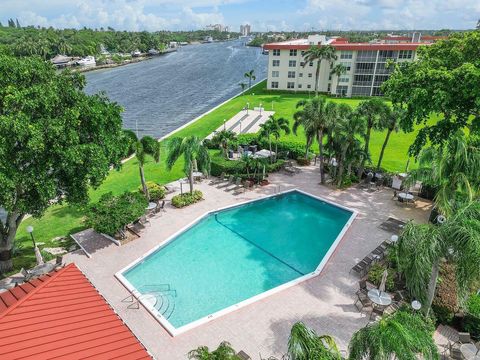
[
  {"x": 245, "y": 30},
  {"x": 217, "y": 27}
]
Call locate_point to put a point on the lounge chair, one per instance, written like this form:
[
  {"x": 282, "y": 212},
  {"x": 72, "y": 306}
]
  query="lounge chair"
[
  {"x": 363, "y": 302},
  {"x": 238, "y": 185},
  {"x": 219, "y": 180},
  {"x": 243, "y": 356},
  {"x": 229, "y": 182}
]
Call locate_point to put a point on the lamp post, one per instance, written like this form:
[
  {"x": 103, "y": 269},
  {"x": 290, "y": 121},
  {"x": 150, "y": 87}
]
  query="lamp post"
[
  {"x": 240, "y": 127},
  {"x": 38, "y": 255},
  {"x": 394, "y": 239},
  {"x": 30, "y": 231},
  {"x": 416, "y": 305},
  {"x": 248, "y": 107}
]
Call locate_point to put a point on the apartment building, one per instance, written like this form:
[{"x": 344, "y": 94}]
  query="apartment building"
[
  {"x": 245, "y": 30},
  {"x": 366, "y": 65}
]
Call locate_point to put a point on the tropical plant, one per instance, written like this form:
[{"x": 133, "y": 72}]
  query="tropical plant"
[
  {"x": 143, "y": 147},
  {"x": 223, "y": 352},
  {"x": 318, "y": 53},
  {"x": 305, "y": 344},
  {"x": 182, "y": 200},
  {"x": 373, "y": 110},
  {"x": 243, "y": 86},
  {"x": 313, "y": 118},
  {"x": 273, "y": 127},
  {"x": 250, "y": 75},
  {"x": 389, "y": 121},
  {"x": 155, "y": 191},
  {"x": 223, "y": 139},
  {"x": 453, "y": 169},
  {"x": 422, "y": 247},
  {"x": 195, "y": 155},
  {"x": 338, "y": 70},
  {"x": 402, "y": 336},
  {"x": 56, "y": 142}
]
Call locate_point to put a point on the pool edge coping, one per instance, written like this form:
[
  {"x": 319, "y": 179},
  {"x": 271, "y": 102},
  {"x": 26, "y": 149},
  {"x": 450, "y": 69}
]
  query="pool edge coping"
[{"x": 174, "y": 331}]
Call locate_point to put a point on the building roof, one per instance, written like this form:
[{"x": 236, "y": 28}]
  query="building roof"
[
  {"x": 343, "y": 45},
  {"x": 64, "y": 317}
]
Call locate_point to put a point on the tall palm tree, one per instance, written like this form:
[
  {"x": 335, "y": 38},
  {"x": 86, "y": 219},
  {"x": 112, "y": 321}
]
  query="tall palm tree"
[
  {"x": 453, "y": 169},
  {"x": 243, "y": 86},
  {"x": 250, "y": 75},
  {"x": 338, "y": 70},
  {"x": 372, "y": 110},
  {"x": 389, "y": 121},
  {"x": 318, "y": 53},
  {"x": 305, "y": 344},
  {"x": 315, "y": 120},
  {"x": 143, "y": 147},
  {"x": 421, "y": 249},
  {"x": 195, "y": 155},
  {"x": 401, "y": 336},
  {"x": 349, "y": 127},
  {"x": 223, "y": 352},
  {"x": 224, "y": 138},
  {"x": 273, "y": 127}
]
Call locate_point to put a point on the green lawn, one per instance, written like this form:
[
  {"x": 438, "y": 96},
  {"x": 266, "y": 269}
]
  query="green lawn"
[{"x": 62, "y": 220}]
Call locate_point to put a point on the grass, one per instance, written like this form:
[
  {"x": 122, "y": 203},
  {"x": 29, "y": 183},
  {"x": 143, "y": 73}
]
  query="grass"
[{"x": 62, "y": 220}]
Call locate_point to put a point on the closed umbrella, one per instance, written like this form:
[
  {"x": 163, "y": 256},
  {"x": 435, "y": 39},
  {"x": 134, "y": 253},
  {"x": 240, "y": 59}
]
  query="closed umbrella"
[{"x": 383, "y": 282}]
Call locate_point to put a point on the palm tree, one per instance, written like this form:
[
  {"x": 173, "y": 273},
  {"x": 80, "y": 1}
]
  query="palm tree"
[
  {"x": 349, "y": 126},
  {"x": 143, "y": 147},
  {"x": 273, "y": 127},
  {"x": 243, "y": 86},
  {"x": 453, "y": 170},
  {"x": 338, "y": 70},
  {"x": 251, "y": 77},
  {"x": 389, "y": 121},
  {"x": 402, "y": 336},
  {"x": 372, "y": 110},
  {"x": 305, "y": 344},
  {"x": 319, "y": 53},
  {"x": 223, "y": 352},
  {"x": 314, "y": 119},
  {"x": 194, "y": 152},
  {"x": 224, "y": 138},
  {"x": 421, "y": 249}
]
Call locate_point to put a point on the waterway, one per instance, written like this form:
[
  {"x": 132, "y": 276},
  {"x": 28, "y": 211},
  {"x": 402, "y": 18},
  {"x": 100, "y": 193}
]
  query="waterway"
[{"x": 161, "y": 94}]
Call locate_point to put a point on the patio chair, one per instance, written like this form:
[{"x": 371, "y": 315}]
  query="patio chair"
[
  {"x": 363, "y": 302},
  {"x": 358, "y": 268},
  {"x": 464, "y": 338},
  {"x": 229, "y": 182},
  {"x": 218, "y": 180},
  {"x": 160, "y": 207},
  {"x": 376, "y": 313},
  {"x": 238, "y": 185},
  {"x": 243, "y": 355},
  {"x": 362, "y": 286}
]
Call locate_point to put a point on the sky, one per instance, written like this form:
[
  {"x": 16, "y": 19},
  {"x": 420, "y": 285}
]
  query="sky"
[{"x": 263, "y": 15}]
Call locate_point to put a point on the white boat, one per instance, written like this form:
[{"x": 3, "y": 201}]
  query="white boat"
[
  {"x": 136, "y": 53},
  {"x": 87, "y": 61}
]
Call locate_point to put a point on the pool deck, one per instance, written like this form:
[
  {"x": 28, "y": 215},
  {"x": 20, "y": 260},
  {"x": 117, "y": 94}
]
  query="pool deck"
[{"x": 324, "y": 303}]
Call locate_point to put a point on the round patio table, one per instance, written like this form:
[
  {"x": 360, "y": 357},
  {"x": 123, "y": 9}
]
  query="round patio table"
[
  {"x": 469, "y": 351},
  {"x": 405, "y": 196},
  {"x": 379, "y": 297},
  {"x": 151, "y": 206}
]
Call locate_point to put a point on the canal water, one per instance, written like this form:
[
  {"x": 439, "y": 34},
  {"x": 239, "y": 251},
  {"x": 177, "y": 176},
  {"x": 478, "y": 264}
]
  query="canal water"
[{"x": 161, "y": 94}]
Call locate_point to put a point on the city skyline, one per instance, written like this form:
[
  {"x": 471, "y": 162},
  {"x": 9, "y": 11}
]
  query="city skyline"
[{"x": 280, "y": 15}]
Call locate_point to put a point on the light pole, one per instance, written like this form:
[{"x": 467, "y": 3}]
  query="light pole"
[
  {"x": 38, "y": 255},
  {"x": 416, "y": 305},
  {"x": 224, "y": 124},
  {"x": 240, "y": 127},
  {"x": 248, "y": 106},
  {"x": 30, "y": 231}
]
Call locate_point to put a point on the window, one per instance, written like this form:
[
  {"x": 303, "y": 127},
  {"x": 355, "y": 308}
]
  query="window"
[
  {"x": 274, "y": 84},
  {"x": 302, "y": 53},
  {"x": 330, "y": 77},
  {"x": 360, "y": 91},
  {"x": 344, "y": 80},
  {"x": 346, "y": 55},
  {"x": 276, "y": 63},
  {"x": 377, "y": 91},
  {"x": 310, "y": 75},
  {"x": 290, "y": 85},
  {"x": 276, "y": 52},
  {"x": 300, "y": 74},
  {"x": 309, "y": 86},
  {"x": 311, "y": 63},
  {"x": 342, "y": 90},
  {"x": 329, "y": 87},
  {"x": 293, "y": 52},
  {"x": 299, "y": 86},
  {"x": 292, "y": 63},
  {"x": 302, "y": 63},
  {"x": 275, "y": 73},
  {"x": 348, "y": 65},
  {"x": 291, "y": 74},
  {"x": 405, "y": 54}
]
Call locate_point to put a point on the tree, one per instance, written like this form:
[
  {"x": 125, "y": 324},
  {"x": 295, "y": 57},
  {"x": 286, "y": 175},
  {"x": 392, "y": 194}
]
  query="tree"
[
  {"x": 251, "y": 77},
  {"x": 143, "y": 147},
  {"x": 305, "y": 344},
  {"x": 401, "y": 336},
  {"x": 372, "y": 110},
  {"x": 223, "y": 139},
  {"x": 443, "y": 80},
  {"x": 453, "y": 170},
  {"x": 55, "y": 142},
  {"x": 319, "y": 53},
  {"x": 223, "y": 352},
  {"x": 112, "y": 213},
  {"x": 195, "y": 155},
  {"x": 17, "y": 24},
  {"x": 273, "y": 127},
  {"x": 243, "y": 86},
  {"x": 313, "y": 117},
  {"x": 422, "y": 247},
  {"x": 338, "y": 70},
  {"x": 389, "y": 121}
]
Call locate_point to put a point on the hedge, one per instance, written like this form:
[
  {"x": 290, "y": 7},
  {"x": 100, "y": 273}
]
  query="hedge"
[{"x": 186, "y": 199}]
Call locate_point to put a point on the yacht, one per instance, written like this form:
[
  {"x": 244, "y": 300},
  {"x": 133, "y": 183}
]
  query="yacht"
[{"x": 87, "y": 61}]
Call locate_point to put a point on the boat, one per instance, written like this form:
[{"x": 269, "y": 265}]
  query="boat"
[
  {"x": 136, "y": 53},
  {"x": 87, "y": 61},
  {"x": 153, "y": 52}
]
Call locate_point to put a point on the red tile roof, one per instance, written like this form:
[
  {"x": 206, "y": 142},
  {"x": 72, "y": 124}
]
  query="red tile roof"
[
  {"x": 64, "y": 317},
  {"x": 347, "y": 46}
]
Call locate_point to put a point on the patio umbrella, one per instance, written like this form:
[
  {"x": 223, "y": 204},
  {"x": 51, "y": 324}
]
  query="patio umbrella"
[
  {"x": 384, "y": 281},
  {"x": 38, "y": 256}
]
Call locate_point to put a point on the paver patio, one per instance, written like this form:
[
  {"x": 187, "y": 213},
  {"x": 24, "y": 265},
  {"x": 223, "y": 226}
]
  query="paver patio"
[{"x": 324, "y": 302}]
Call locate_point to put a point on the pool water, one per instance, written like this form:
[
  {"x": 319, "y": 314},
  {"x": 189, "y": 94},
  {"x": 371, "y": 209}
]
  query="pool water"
[{"x": 237, "y": 253}]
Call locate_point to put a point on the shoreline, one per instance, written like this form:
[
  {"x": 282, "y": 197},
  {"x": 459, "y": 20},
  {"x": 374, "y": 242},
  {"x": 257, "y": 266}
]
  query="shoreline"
[{"x": 111, "y": 66}]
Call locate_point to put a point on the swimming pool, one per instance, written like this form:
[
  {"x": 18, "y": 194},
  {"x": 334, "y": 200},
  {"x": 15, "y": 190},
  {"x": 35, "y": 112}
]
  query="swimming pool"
[{"x": 233, "y": 256}]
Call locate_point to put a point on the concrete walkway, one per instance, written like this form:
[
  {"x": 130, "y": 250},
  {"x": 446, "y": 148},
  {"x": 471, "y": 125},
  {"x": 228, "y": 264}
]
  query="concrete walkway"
[
  {"x": 324, "y": 303},
  {"x": 245, "y": 122}
]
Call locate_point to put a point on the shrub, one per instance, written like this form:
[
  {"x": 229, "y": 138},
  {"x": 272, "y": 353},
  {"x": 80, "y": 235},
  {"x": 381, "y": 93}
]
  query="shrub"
[
  {"x": 276, "y": 166},
  {"x": 155, "y": 191},
  {"x": 445, "y": 303},
  {"x": 471, "y": 321},
  {"x": 130, "y": 140},
  {"x": 375, "y": 276},
  {"x": 221, "y": 165},
  {"x": 186, "y": 199},
  {"x": 247, "y": 139},
  {"x": 113, "y": 213}
]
